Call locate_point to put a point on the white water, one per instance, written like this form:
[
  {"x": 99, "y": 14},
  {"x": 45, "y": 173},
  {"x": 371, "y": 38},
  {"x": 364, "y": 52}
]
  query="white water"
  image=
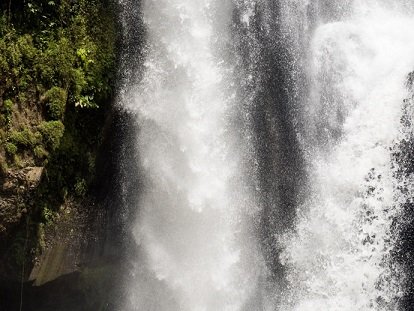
[
  {"x": 338, "y": 255},
  {"x": 196, "y": 250},
  {"x": 189, "y": 224}
]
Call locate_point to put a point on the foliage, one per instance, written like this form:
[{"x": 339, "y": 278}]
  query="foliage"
[
  {"x": 57, "y": 53},
  {"x": 47, "y": 214},
  {"x": 56, "y": 102},
  {"x": 17, "y": 57},
  {"x": 24, "y": 138},
  {"x": 11, "y": 148},
  {"x": 57, "y": 60},
  {"x": 7, "y": 111},
  {"x": 40, "y": 152},
  {"x": 52, "y": 132},
  {"x": 81, "y": 187}
]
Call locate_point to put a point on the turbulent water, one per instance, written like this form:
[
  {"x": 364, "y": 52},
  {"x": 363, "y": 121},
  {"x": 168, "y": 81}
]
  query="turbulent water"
[{"x": 273, "y": 145}]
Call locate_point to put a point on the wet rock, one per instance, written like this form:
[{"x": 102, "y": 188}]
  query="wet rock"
[
  {"x": 9, "y": 185},
  {"x": 33, "y": 176},
  {"x": 16, "y": 186}
]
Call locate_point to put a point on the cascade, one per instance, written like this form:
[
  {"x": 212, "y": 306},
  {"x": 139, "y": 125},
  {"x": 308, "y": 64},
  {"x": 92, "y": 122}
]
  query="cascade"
[{"x": 266, "y": 142}]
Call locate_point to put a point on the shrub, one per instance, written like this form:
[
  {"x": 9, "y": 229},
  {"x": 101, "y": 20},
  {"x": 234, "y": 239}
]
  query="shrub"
[
  {"x": 56, "y": 102},
  {"x": 79, "y": 82},
  {"x": 11, "y": 148},
  {"x": 56, "y": 62},
  {"x": 81, "y": 187},
  {"x": 52, "y": 132},
  {"x": 24, "y": 138},
  {"x": 40, "y": 152},
  {"x": 27, "y": 49},
  {"x": 86, "y": 102}
]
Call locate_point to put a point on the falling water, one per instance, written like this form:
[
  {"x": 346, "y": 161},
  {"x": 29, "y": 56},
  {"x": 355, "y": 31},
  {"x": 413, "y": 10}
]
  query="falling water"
[
  {"x": 339, "y": 253},
  {"x": 188, "y": 225},
  {"x": 266, "y": 145}
]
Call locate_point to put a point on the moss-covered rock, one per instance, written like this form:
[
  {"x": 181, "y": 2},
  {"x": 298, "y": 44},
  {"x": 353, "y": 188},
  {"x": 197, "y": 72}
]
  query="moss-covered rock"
[
  {"x": 57, "y": 64},
  {"x": 56, "y": 102},
  {"x": 52, "y": 132}
]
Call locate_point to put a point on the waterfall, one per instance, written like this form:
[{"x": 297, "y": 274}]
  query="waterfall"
[
  {"x": 189, "y": 221},
  {"x": 339, "y": 253},
  {"x": 269, "y": 146}
]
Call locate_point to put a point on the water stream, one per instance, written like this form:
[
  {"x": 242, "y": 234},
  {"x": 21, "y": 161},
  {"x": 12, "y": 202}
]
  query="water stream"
[{"x": 266, "y": 144}]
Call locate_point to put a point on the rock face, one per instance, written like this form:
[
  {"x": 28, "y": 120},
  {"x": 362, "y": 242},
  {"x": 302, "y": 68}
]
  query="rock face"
[
  {"x": 68, "y": 242},
  {"x": 79, "y": 267},
  {"x": 15, "y": 192},
  {"x": 55, "y": 232},
  {"x": 81, "y": 261},
  {"x": 74, "y": 271}
]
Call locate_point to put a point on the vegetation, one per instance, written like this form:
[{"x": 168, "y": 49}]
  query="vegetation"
[
  {"x": 52, "y": 132},
  {"x": 56, "y": 102},
  {"x": 57, "y": 64},
  {"x": 7, "y": 112}
]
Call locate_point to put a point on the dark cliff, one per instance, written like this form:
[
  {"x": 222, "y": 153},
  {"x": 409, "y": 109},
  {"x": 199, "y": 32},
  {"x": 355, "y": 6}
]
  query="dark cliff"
[{"x": 60, "y": 140}]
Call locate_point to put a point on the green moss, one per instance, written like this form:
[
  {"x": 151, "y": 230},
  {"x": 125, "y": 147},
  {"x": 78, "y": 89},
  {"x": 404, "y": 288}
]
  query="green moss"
[
  {"x": 57, "y": 60},
  {"x": 56, "y": 102},
  {"x": 52, "y": 132},
  {"x": 27, "y": 49},
  {"x": 7, "y": 111},
  {"x": 23, "y": 138},
  {"x": 17, "y": 161},
  {"x": 40, "y": 153},
  {"x": 11, "y": 148}
]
